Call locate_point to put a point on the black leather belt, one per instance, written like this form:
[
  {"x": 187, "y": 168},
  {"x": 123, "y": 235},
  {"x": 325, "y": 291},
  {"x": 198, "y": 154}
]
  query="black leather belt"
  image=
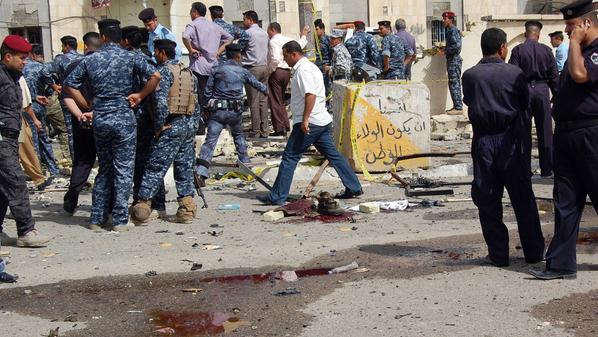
[
  {"x": 566, "y": 126},
  {"x": 12, "y": 134}
]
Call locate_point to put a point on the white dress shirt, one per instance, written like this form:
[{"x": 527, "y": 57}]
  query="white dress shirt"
[
  {"x": 307, "y": 78},
  {"x": 275, "y": 59}
]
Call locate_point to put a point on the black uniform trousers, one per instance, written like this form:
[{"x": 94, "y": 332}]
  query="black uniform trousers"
[
  {"x": 13, "y": 188},
  {"x": 540, "y": 110},
  {"x": 84, "y": 157},
  {"x": 575, "y": 177},
  {"x": 499, "y": 161}
]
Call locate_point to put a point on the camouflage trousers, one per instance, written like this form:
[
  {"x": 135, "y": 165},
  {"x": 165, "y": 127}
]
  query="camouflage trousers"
[
  {"x": 174, "y": 146},
  {"x": 115, "y": 138},
  {"x": 453, "y": 68},
  {"x": 145, "y": 136}
]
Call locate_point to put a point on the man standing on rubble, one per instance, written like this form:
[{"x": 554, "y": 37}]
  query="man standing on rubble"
[
  {"x": 496, "y": 94},
  {"x": 311, "y": 126},
  {"x": 174, "y": 123},
  {"x": 224, "y": 93},
  {"x": 452, "y": 51}
]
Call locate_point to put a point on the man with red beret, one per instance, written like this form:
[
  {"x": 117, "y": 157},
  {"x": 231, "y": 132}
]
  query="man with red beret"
[
  {"x": 13, "y": 189},
  {"x": 454, "y": 61}
]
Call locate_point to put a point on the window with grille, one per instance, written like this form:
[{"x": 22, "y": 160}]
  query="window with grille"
[{"x": 281, "y": 7}]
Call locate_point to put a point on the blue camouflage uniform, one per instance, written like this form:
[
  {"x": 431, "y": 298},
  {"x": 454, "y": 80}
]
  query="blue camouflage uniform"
[
  {"x": 145, "y": 134},
  {"x": 324, "y": 57},
  {"x": 60, "y": 64},
  {"x": 453, "y": 65},
  {"x": 226, "y": 83},
  {"x": 111, "y": 73},
  {"x": 240, "y": 36},
  {"x": 392, "y": 46},
  {"x": 38, "y": 78},
  {"x": 174, "y": 145},
  {"x": 363, "y": 49}
]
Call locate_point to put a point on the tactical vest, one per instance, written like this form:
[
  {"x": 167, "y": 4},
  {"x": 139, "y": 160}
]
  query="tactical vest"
[{"x": 182, "y": 96}]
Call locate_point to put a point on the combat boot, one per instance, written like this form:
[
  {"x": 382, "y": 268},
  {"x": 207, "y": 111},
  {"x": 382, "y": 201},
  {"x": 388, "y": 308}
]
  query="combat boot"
[
  {"x": 142, "y": 210},
  {"x": 186, "y": 211}
]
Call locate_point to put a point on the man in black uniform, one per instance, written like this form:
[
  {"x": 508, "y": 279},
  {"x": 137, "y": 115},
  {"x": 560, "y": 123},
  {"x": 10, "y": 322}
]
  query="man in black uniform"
[
  {"x": 497, "y": 96},
  {"x": 84, "y": 150},
  {"x": 13, "y": 189},
  {"x": 575, "y": 112},
  {"x": 539, "y": 66}
]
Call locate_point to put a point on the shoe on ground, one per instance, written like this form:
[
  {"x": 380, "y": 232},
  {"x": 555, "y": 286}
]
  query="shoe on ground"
[
  {"x": 554, "y": 274},
  {"x": 348, "y": 194},
  {"x": 186, "y": 211},
  {"x": 45, "y": 184},
  {"x": 95, "y": 227},
  {"x": 69, "y": 207},
  {"x": 265, "y": 199},
  {"x": 454, "y": 112},
  {"x": 279, "y": 134},
  {"x": 488, "y": 260},
  {"x": 122, "y": 228},
  {"x": 32, "y": 239},
  {"x": 142, "y": 210},
  {"x": 6, "y": 240},
  {"x": 7, "y": 278}
]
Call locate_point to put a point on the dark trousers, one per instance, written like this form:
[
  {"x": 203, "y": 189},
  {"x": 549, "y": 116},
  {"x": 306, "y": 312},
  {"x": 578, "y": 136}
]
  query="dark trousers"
[
  {"x": 258, "y": 102},
  {"x": 498, "y": 162},
  {"x": 84, "y": 157},
  {"x": 298, "y": 143},
  {"x": 13, "y": 188},
  {"x": 575, "y": 167},
  {"x": 540, "y": 110},
  {"x": 278, "y": 82},
  {"x": 145, "y": 136},
  {"x": 202, "y": 81}
]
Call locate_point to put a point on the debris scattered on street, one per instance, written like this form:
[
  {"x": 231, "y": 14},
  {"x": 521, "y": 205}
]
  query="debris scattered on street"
[
  {"x": 151, "y": 273},
  {"x": 286, "y": 292},
  {"x": 196, "y": 266},
  {"x": 192, "y": 290},
  {"x": 229, "y": 206},
  {"x": 369, "y": 207},
  {"x": 352, "y": 266},
  {"x": 272, "y": 216},
  {"x": 211, "y": 247}
]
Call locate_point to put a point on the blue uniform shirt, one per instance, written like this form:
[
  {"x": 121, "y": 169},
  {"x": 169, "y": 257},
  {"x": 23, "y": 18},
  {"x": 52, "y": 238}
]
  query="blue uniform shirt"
[
  {"x": 578, "y": 101},
  {"x": 111, "y": 73},
  {"x": 324, "y": 52},
  {"x": 562, "y": 52},
  {"x": 496, "y": 94},
  {"x": 453, "y": 41},
  {"x": 363, "y": 49},
  {"x": 228, "y": 79},
  {"x": 38, "y": 78},
  {"x": 537, "y": 62},
  {"x": 239, "y": 35},
  {"x": 392, "y": 46},
  {"x": 61, "y": 62},
  {"x": 160, "y": 33}
]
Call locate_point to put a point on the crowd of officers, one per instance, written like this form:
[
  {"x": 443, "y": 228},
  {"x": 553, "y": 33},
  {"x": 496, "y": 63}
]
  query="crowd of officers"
[{"x": 119, "y": 100}]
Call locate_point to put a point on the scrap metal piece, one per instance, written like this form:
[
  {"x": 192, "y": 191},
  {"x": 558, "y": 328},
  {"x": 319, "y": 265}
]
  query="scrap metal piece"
[{"x": 247, "y": 170}]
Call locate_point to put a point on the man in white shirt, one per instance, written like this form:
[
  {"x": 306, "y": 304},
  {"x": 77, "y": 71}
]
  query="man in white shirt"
[
  {"x": 311, "y": 126},
  {"x": 280, "y": 75}
]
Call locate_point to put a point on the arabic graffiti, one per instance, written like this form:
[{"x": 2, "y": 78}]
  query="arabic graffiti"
[
  {"x": 387, "y": 156},
  {"x": 377, "y": 132}
]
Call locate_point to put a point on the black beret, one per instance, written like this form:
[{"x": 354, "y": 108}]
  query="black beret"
[
  {"x": 577, "y": 9},
  {"x": 216, "y": 7},
  {"x": 147, "y": 14},
  {"x": 384, "y": 23},
  {"x": 557, "y": 33},
  {"x": 234, "y": 47},
  {"x": 108, "y": 23},
  {"x": 534, "y": 23},
  {"x": 164, "y": 44},
  {"x": 129, "y": 30}
]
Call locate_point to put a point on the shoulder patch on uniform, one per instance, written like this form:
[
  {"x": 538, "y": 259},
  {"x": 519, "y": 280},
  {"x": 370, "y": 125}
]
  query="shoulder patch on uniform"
[{"x": 594, "y": 58}]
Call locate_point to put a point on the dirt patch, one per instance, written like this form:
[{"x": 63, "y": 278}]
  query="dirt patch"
[{"x": 576, "y": 313}]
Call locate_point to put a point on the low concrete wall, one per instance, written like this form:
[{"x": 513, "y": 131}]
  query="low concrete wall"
[{"x": 378, "y": 121}]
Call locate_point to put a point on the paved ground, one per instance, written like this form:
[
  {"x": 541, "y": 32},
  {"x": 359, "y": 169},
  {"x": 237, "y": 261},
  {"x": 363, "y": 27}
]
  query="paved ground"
[{"x": 424, "y": 277}]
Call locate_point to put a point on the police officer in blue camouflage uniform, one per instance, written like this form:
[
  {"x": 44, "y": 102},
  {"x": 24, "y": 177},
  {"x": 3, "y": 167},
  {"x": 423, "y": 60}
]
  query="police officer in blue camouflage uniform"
[
  {"x": 38, "y": 79},
  {"x": 453, "y": 61},
  {"x": 394, "y": 53},
  {"x": 223, "y": 93},
  {"x": 60, "y": 64},
  {"x": 174, "y": 123},
  {"x": 132, "y": 38},
  {"x": 239, "y": 35},
  {"x": 362, "y": 47},
  {"x": 324, "y": 52},
  {"x": 111, "y": 73}
]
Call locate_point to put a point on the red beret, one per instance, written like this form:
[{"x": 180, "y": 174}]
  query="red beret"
[
  {"x": 358, "y": 22},
  {"x": 17, "y": 43},
  {"x": 448, "y": 14}
]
